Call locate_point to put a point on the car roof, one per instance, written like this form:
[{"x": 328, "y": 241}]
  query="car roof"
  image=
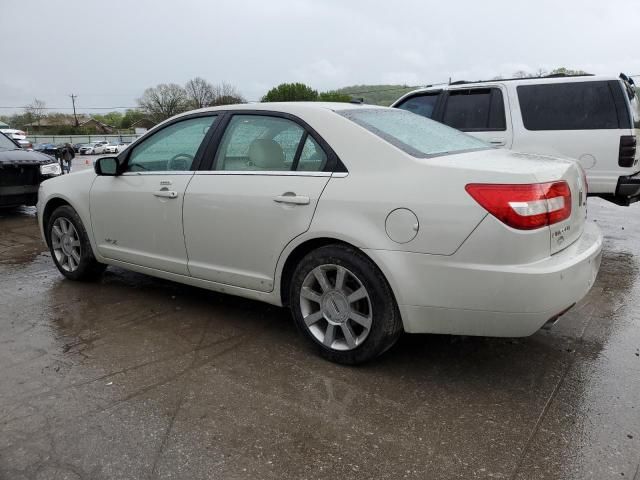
[
  {"x": 289, "y": 107},
  {"x": 524, "y": 81},
  {"x": 293, "y": 108}
]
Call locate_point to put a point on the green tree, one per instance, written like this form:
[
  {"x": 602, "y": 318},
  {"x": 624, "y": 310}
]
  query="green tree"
[
  {"x": 334, "y": 96},
  {"x": 566, "y": 71},
  {"x": 113, "y": 119},
  {"x": 376, "y": 94},
  {"x": 130, "y": 117},
  {"x": 291, "y": 92}
]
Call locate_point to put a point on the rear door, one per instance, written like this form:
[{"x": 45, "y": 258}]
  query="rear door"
[
  {"x": 479, "y": 111},
  {"x": 261, "y": 192}
]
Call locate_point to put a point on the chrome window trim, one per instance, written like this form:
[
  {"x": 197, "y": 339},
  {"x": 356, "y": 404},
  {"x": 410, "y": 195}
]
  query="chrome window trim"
[
  {"x": 159, "y": 172},
  {"x": 269, "y": 173}
]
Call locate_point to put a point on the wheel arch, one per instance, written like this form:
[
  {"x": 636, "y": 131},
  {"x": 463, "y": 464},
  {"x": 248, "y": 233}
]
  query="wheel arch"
[
  {"x": 48, "y": 210},
  {"x": 299, "y": 251}
]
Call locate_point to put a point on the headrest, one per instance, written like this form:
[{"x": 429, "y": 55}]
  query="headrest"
[{"x": 266, "y": 154}]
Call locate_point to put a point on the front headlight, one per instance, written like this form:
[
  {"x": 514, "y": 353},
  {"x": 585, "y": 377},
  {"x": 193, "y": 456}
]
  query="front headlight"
[{"x": 50, "y": 169}]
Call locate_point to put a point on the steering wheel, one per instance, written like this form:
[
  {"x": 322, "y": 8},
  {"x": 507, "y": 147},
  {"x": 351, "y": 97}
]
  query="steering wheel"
[{"x": 180, "y": 162}]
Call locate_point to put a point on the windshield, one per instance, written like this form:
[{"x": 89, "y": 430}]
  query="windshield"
[
  {"x": 414, "y": 134},
  {"x": 6, "y": 144}
]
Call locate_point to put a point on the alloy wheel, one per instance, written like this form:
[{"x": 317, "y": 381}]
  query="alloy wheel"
[
  {"x": 336, "y": 307},
  {"x": 65, "y": 243}
]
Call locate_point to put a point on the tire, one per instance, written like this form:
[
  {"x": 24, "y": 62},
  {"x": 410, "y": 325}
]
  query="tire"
[
  {"x": 70, "y": 247},
  {"x": 361, "y": 305}
]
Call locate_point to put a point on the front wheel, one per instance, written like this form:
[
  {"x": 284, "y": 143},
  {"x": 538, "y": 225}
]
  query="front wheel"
[
  {"x": 70, "y": 246},
  {"x": 342, "y": 303}
]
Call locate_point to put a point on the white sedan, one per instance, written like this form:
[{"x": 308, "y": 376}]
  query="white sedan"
[
  {"x": 115, "y": 147},
  {"x": 365, "y": 221},
  {"x": 94, "y": 148}
]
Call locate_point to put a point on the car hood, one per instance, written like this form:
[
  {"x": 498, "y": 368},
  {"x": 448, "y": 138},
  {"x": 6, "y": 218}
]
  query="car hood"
[{"x": 24, "y": 157}]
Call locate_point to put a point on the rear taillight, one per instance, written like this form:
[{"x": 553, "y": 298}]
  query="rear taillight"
[
  {"x": 524, "y": 207},
  {"x": 627, "y": 153}
]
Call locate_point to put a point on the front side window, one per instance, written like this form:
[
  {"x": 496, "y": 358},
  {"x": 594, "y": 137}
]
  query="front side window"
[
  {"x": 475, "y": 110},
  {"x": 416, "y": 135},
  {"x": 421, "y": 104},
  {"x": 173, "y": 148},
  {"x": 568, "y": 106},
  {"x": 259, "y": 143}
]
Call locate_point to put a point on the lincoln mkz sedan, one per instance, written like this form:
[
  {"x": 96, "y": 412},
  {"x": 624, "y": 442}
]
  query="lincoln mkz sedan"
[{"x": 365, "y": 221}]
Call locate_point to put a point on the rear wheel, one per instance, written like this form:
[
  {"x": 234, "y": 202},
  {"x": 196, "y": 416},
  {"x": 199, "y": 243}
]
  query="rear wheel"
[
  {"x": 343, "y": 304},
  {"x": 70, "y": 246}
]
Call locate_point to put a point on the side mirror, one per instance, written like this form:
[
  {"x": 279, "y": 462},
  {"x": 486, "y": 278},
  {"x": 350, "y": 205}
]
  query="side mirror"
[{"x": 106, "y": 166}]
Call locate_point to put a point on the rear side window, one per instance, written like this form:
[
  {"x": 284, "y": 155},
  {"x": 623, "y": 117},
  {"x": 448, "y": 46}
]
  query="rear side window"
[
  {"x": 259, "y": 143},
  {"x": 568, "y": 106},
  {"x": 475, "y": 110},
  {"x": 422, "y": 104},
  {"x": 414, "y": 134}
]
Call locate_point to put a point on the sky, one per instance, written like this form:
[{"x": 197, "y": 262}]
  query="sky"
[{"x": 107, "y": 53}]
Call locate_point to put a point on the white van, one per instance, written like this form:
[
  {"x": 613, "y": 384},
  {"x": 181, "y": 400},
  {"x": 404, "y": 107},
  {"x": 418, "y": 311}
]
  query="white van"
[{"x": 594, "y": 119}]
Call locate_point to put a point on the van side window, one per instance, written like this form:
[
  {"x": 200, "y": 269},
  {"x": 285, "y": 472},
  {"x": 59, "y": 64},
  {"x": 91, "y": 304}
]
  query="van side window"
[
  {"x": 475, "y": 110},
  {"x": 421, "y": 104},
  {"x": 568, "y": 106}
]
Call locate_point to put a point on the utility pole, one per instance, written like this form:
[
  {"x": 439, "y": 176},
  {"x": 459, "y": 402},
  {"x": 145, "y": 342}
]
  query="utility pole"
[{"x": 73, "y": 101}]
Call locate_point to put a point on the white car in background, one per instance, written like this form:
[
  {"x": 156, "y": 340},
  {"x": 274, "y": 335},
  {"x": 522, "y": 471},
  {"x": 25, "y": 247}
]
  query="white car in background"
[
  {"x": 93, "y": 148},
  {"x": 593, "y": 119},
  {"x": 115, "y": 148},
  {"x": 14, "y": 134},
  {"x": 364, "y": 221}
]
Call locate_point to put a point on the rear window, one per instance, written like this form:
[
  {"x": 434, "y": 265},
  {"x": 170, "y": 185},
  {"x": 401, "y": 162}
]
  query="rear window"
[
  {"x": 414, "y": 134},
  {"x": 475, "y": 110},
  {"x": 421, "y": 104},
  {"x": 568, "y": 106}
]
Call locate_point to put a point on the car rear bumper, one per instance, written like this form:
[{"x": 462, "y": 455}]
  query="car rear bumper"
[{"x": 436, "y": 294}]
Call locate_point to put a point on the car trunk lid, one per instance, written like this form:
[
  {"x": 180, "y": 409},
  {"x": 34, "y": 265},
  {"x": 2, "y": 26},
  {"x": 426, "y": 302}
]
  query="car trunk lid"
[{"x": 506, "y": 168}]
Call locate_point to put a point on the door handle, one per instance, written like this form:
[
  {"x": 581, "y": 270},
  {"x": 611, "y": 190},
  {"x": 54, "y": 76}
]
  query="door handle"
[
  {"x": 166, "y": 194},
  {"x": 292, "y": 199},
  {"x": 498, "y": 142}
]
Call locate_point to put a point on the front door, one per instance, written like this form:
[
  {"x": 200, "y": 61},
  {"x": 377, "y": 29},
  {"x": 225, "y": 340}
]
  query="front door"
[
  {"x": 238, "y": 217},
  {"x": 137, "y": 216}
]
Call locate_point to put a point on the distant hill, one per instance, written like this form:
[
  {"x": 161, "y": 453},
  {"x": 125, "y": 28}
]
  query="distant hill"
[{"x": 377, "y": 94}]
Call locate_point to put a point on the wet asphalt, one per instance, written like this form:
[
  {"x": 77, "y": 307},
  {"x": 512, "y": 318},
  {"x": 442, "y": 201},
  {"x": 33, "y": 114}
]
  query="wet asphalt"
[{"x": 133, "y": 377}]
